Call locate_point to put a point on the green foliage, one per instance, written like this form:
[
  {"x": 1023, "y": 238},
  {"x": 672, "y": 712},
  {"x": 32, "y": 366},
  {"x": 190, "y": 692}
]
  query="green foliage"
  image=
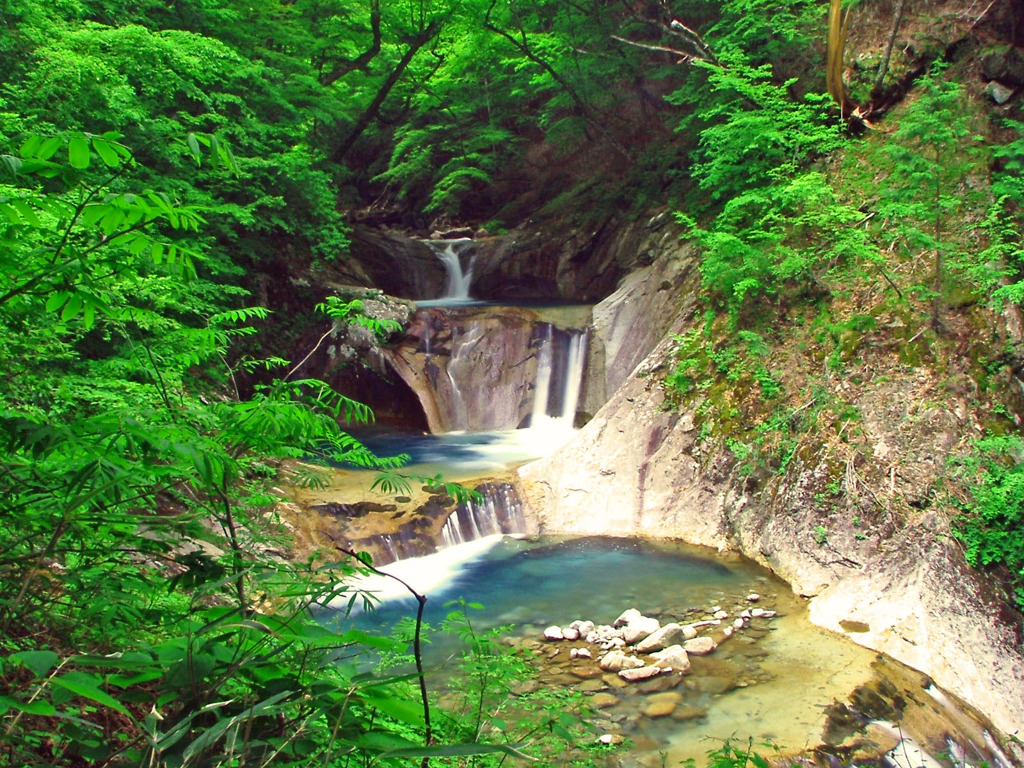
[
  {"x": 929, "y": 162},
  {"x": 991, "y": 524},
  {"x": 353, "y": 312},
  {"x": 779, "y": 224},
  {"x": 736, "y": 359},
  {"x": 484, "y": 704},
  {"x": 142, "y": 621},
  {"x": 156, "y": 85},
  {"x": 729, "y": 755},
  {"x": 998, "y": 268}
]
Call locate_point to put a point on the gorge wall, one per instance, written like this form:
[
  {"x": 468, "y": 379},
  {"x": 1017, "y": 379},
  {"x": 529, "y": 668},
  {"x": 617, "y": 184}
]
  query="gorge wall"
[{"x": 863, "y": 537}]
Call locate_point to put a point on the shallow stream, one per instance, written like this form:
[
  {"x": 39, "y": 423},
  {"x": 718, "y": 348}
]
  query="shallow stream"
[{"x": 775, "y": 681}]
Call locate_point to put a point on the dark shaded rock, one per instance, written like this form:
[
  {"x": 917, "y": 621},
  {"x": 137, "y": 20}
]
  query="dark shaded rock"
[
  {"x": 398, "y": 265},
  {"x": 1005, "y": 64}
]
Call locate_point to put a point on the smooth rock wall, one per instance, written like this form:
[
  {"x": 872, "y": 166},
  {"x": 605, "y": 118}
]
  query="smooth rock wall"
[{"x": 636, "y": 469}]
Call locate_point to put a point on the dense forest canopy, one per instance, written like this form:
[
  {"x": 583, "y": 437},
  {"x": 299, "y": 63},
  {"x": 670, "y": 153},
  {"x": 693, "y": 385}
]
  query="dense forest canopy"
[{"x": 157, "y": 157}]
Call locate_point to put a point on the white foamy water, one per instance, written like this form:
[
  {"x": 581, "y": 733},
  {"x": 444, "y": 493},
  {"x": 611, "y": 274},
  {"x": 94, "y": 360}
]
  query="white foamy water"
[
  {"x": 427, "y": 574},
  {"x": 459, "y": 281}
]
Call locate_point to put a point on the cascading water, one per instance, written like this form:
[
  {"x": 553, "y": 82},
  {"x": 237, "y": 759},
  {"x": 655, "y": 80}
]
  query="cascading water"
[
  {"x": 450, "y": 253},
  {"x": 498, "y": 512},
  {"x": 556, "y": 406}
]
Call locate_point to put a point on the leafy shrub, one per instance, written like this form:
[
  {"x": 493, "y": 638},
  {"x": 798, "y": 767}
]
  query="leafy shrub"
[{"x": 991, "y": 525}]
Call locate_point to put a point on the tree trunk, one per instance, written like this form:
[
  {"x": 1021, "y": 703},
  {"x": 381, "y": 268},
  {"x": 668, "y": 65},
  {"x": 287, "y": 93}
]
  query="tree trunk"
[
  {"x": 373, "y": 110},
  {"x": 883, "y": 68}
]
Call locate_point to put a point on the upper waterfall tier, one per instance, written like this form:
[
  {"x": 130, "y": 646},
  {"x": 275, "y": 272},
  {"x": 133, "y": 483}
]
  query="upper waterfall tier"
[
  {"x": 451, "y": 252},
  {"x": 493, "y": 368}
]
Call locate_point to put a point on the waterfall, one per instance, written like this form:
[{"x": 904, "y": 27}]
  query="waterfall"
[
  {"x": 560, "y": 359},
  {"x": 500, "y": 511},
  {"x": 450, "y": 252},
  {"x": 542, "y": 384}
]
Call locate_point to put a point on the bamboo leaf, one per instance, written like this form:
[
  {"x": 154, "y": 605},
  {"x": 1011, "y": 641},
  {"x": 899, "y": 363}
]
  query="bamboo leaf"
[{"x": 87, "y": 686}]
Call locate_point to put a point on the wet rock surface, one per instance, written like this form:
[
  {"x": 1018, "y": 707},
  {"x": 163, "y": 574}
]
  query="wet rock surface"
[
  {"x": 892, "y": 581},
  {"x": 633, "y": 697}
]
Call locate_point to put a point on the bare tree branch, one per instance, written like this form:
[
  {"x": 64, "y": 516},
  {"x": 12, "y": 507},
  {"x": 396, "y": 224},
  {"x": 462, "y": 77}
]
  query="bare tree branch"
[{"x": 349, "y": 65}]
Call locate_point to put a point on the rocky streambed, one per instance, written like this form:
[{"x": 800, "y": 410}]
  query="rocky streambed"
[{"x": 672, "y": 686}]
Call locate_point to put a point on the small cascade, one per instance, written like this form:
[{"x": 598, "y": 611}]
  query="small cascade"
[
  {"x": 561, "y": 358},
  {"x": 542, "y": 384},
  {"x": 450, "y": 253},
  {"x": 499, "y": 512}
]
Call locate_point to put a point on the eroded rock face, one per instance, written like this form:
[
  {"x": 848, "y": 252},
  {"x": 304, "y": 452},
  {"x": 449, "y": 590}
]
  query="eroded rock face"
[
  {"x": 470, "y": 369},
  {"x": 628, "y": 324},
  {"x": 397, "y": 264},
  {"x": 899, "y": 586}
]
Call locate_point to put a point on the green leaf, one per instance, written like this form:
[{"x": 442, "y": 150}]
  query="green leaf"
[
  {"x": 48, "y": 148},
  {"x": 88, "y": 687},
  {"x": 12, "y": 164},
  {"x": 38, "y": 662},
  {"x": 457, "y": 750},
  {"x": 106, "y": 152},
  {"x": 193, "y": 147},
  {"x": 402, "y": 710},
  {"x": 30, "y": 145},
  {"x": 78, "y": 152},
  {"x": 56, "y": 301},
  {"x": 28, "y": 213},
  {"x": 39, "y": 707},
  {"x": 212, "y": 735},
  {"x": 72, "y": 308}
]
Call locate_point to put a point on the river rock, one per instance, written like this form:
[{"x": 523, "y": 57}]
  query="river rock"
[
  {"x": 700, "y": 646},
  {"x": 570, "y": 633},
  {"x": 553, "y": 633},
  {"x": 670, "y": 634},
  {"x": 640, "y": 673},
  {"x": 583, "y": 627},
  {"x": 687, "y": 712},
  {"x": 753, "y": 597},
  {"x": 662, "y": 704},
  {"x": 397, "y": 264},
  {"x": 631, "y": 614},
  {"x": 526, "y": 687},
  {"x": 674, "y": 657},
  {"x": 604, "y": 700},
  {"x": 689, "y": 632},
  {"x": 602, "y": 634},
  {"x": 615, "y": 661},
  {"x": 640, "y": 628},
  {"x": 580, "y": 653}
]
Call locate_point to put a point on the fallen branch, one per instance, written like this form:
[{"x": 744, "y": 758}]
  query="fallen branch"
[{"x": 683, "y": 55}]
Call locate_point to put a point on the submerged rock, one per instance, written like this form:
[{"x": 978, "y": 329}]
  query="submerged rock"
[
  {"x": 700, "y": 646},
  {"x": 640, "y": 673},
  {"x": 674, "y": 657},
  {"x": 662, "y": 704},
  {"x": 615, "y": 661}
]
